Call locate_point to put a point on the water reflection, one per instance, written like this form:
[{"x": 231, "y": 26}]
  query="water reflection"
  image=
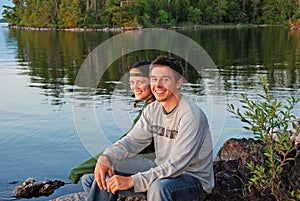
[
  {"x": 241, "y": 55},
  {"x": 53, "y": 58},
  {"x": 244, "y": 54}
]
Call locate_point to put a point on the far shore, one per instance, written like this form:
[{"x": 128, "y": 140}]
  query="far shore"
[{"x": 120, "y": 29}]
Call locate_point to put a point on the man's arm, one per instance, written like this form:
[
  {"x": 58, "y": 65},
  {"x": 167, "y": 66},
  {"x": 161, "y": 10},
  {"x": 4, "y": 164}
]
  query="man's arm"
[
  {"x": 103, "y": 168},
  {"x": 139, "y": 137}
]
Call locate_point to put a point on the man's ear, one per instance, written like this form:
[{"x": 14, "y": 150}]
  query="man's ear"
[{"x": 179, "y": 83}]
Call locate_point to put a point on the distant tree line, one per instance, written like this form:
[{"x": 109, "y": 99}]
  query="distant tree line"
[{"x": 148, "y": 13}]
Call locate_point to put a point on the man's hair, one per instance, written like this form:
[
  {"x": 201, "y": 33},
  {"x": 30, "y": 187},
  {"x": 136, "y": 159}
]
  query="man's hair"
[
  {"x": 143, "y": 66},
  {"x": 171, "y": 62}
]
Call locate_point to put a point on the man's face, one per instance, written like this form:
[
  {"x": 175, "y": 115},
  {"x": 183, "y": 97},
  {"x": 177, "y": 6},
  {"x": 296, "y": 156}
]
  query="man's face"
[
  {"x": 140, "y": 86},
  {"x": 163, "y": 83}
]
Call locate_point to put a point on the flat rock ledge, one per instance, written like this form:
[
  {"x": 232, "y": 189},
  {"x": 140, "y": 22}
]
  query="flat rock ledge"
[
  {"x": 82, "y": 197},
  {"x": 72, "y": 197}
]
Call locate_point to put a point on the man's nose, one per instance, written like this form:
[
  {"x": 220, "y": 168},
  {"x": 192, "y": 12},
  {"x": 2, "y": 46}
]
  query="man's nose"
[
  {"x": 157, "y": 82},
  {"x": 160, "y": 82}
]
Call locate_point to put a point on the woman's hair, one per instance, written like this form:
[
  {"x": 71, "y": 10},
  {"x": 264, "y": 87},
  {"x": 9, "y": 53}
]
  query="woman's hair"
[{"x": 143, "y": 66}]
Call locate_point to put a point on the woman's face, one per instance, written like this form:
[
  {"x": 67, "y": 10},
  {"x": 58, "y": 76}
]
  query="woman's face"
[{"x": 140, "y": 86}]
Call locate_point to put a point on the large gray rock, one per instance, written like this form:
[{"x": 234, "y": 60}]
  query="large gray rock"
[{"x": 232, "y": 174}]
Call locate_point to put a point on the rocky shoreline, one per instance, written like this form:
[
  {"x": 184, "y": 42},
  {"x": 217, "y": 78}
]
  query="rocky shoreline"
[
  {"x": 80, "y": 196},
  {"x": 106, "y": 29},
  {"x": 232, "y": 174},
  {"x": 120, "y": 29}
]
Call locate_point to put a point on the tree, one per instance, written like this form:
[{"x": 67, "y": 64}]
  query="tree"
[
  {"x": 91, "y": 13},
  {"x": 211, "y": 14},
  {"x": 194, "y": 15},
  {"x": 111, "y": 12},
  {"x": 18, "y": 11},
  {"x": 179, "y": 10},
  {"x": 70, "y": 14},
  {"x": 255, "y": 4},
  {"x": 233, "y": 13},
  {"x": 10, "y": 15},
  {"x": 222, "y": 8},
  {"x": 39, "y": 13},
  {"x": 271, "y": 12},
  {"x": 92, "y": 10},
  {"x": 163, "y": 17}
]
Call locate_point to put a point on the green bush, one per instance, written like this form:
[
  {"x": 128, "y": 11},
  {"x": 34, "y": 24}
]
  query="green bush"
[{"x": 269, "y": 121}]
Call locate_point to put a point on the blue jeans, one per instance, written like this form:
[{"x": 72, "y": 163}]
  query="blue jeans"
[{"x": 181, "y": 188}]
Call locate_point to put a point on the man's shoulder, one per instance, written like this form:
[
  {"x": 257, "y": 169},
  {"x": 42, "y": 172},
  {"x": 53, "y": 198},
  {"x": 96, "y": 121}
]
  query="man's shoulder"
[
  {"x": 191, "y": 107},
  {"x": 187, "y": 103}
]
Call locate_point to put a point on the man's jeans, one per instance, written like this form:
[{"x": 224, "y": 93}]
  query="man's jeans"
[{"x": 181, "y": 188}]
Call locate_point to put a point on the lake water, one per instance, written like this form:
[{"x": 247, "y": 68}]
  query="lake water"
[{"x": 47, "y": 120}]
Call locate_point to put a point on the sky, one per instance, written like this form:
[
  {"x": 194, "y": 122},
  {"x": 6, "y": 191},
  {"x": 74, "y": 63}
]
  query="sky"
[{"x": 4, "y": 2}]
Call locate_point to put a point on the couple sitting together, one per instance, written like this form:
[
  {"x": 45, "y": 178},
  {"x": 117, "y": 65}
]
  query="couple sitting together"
[{"x": 166, "y": 156}]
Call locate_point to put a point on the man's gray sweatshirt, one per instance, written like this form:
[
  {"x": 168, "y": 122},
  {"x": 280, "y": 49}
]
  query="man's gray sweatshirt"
[{"x": 182, "y": 144}]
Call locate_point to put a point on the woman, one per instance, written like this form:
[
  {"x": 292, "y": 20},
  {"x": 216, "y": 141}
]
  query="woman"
[{"x": 140, "y": 86}]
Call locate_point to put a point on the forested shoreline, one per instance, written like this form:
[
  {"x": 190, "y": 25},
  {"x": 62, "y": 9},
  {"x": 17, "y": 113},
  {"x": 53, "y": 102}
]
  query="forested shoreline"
[{"x": 148, "y": 13}]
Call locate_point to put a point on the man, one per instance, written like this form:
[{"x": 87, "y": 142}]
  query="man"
[{"x": 183, "y": 167}]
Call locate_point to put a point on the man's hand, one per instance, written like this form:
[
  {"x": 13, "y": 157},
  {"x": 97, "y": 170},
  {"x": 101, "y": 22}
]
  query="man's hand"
[
  {"x": 103, "y": 168},
  {"x": 118, "y": 182}
]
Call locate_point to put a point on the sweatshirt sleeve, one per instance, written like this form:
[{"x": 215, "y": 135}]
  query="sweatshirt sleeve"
[
  {"x": 139, "y": 137},
  {"x": 184, "y": 154}
]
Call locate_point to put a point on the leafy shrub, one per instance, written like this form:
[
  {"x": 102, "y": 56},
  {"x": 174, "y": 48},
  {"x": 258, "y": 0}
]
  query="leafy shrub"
[{"x": 269, "y": 121}]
